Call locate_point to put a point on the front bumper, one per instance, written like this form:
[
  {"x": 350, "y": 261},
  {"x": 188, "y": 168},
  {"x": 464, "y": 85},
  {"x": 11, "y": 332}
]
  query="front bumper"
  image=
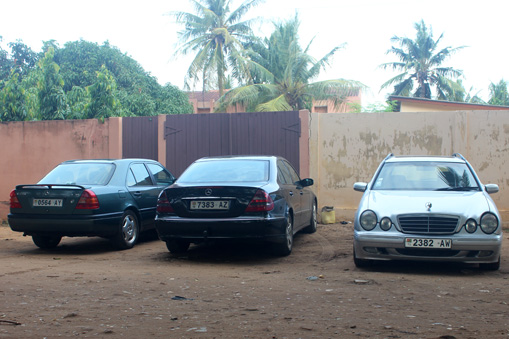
[
  {"x": 466, "y": 248},
  {"x": 104, "y": 225},
  {"x": 199, "y": 230}
]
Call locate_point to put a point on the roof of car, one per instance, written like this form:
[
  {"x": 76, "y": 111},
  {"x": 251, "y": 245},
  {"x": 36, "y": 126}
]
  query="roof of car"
[
  {"x": 107, "y": 160},
  {"x": 239, "y": 157},
  {"x": 435, "y": 158}
]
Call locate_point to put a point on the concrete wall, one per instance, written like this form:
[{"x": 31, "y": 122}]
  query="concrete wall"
[
  {"x": 342, "y": 148},
  {"x": 345, "y": 148},
  {"x": 29, "y": 150}
]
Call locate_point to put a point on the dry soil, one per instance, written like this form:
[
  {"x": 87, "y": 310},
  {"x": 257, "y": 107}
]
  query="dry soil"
[{"x": 84, "y": 288}]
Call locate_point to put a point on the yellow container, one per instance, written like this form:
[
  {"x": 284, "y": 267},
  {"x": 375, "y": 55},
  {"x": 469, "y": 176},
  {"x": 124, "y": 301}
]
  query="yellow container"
[{"x": 328, "y": 215}]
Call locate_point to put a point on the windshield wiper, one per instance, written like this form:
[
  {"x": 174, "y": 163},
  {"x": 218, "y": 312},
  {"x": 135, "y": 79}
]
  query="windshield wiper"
[{"x": 458, "y": 189}]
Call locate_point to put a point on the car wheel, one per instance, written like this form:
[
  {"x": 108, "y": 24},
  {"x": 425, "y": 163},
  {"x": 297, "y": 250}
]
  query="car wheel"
[
  {"x": 177, "y": 246},
  {"x": 492, "y": 266},
  {"x": 285, "y": 247},
  {"x": 128, "y": 233},
  {"x": 313, "y": 222},
  {"x": 361, "y": 263},
  {"x": 46, "y": 241}
]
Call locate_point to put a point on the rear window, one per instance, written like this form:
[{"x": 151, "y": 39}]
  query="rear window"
[
  {"x": 226, "y": 171},
  {"x": 79, "y": 174}
]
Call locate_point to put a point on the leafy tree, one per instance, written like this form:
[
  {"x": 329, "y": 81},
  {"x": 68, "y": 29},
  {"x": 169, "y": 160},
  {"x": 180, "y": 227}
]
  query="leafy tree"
[
  {"x": 103, "y": 102},
  {"x": 215, "y": 33},
  {"x": 5, "y": 64},
  {"x": 52, "y": 98},
  {"x": 12, "y": 100},
  {"x": 498, "y": 94},
  {"x": 283, "y": 72},
  {"x": 420, "y": 61},
  {"x": 23, "y": 57},
  {"x": 459, "y": 93},
  {"x": 171, "y": 100}
]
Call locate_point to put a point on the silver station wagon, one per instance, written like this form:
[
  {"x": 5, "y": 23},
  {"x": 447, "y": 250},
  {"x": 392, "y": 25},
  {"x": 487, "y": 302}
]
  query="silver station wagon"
[{"x": 430, "y": 209}]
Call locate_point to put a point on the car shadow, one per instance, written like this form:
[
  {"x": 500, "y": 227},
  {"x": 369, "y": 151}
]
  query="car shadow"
[
  {"x": 88, "y": 245},
  {"x": 426, "y": 268},
  {"x": 234, "y": 251}
]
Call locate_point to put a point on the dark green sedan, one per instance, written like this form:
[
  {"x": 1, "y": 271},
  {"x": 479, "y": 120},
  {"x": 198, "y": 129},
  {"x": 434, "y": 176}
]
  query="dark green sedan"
[{"x": 114, "y": 199}]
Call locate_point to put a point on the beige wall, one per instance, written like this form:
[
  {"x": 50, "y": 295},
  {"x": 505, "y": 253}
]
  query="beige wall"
[
  {"x": 345, "y": 148},
  {"x": 31, "y": 149},
  {"x": 342, "y": 148}
]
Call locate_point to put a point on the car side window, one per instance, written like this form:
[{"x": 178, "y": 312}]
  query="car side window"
[
  {"x": 283, "y": 175},
  {"x": 293, "y": 174},
  {"x": 162, "y": 176},
  {"x": 141, "y": 175}
]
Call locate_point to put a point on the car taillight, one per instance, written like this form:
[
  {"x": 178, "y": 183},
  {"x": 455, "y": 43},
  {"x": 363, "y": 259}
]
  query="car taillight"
[
  {"x": 261, "y": 202},
  {"x": 163, "y": 204},
  {"x": 14, "y": 200},
  {"x": 88, "y": 201}
]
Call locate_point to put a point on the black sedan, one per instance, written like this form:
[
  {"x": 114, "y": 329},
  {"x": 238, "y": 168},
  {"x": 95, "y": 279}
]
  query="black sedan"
[
  {"x": 115, "y": 199},
  {"x": 236, "y": 197}
]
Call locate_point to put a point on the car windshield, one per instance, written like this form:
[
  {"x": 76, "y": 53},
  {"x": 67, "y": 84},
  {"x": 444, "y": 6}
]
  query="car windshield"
[
  {"x": 228, "y": 170},
  {"x": 426, "y": 176},
  {"x": 79, "y": 174}
]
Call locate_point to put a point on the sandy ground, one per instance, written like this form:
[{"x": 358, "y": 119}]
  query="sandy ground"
[{"x": 85, "y": 289}]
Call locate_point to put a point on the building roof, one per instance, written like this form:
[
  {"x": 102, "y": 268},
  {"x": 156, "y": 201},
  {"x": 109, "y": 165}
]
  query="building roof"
[{"x": 447, "y": 105}]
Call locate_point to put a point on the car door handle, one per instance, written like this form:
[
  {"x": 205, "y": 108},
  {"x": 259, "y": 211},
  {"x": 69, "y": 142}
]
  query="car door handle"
[{"x": 137, "y": 194}]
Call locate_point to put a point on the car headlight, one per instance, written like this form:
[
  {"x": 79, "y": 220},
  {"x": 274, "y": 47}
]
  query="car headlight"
[
  {"x": 470, "y": 226},
  {"x": 368, "y": 220},
  {"x": 385, "y": 223},
  {"x": 489, "y": 223}
]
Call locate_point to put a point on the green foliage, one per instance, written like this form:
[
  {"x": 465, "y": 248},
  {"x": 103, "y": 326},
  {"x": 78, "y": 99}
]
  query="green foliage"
[
  {"x": 103, "y": 102},
  {"x": 52, "y": 99},
  {"x": 388, "y": 106},
  {"x": 498, "y": 94},
  {"x": 283, "y": 73},
  {"x": 12, "y": 100},
  {"x": 215, "y": 33},
  {"x": 79, "y": 81},
  {"x": 420, "y": 61}
]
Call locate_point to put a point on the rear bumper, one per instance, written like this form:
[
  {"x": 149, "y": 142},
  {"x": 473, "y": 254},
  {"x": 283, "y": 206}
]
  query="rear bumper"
[
  {"x": 466, "y": 249},
  {"x": 104, "y": 225},
  {"x": 199, "y": 230}
]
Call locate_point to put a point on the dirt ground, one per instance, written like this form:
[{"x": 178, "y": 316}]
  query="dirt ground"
[{"x": 85, "y": 289}]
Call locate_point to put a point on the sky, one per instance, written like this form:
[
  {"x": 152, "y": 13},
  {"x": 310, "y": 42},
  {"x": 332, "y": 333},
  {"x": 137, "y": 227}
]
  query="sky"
[{"x": 145, "y": 31}]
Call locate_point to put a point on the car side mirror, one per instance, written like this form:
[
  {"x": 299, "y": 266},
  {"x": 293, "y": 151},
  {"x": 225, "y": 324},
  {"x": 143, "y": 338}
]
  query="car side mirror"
[
  {"x": 305, "y": 182},
  {"x": 360, "y": 186},
  {"x": 491, "y": 188}
]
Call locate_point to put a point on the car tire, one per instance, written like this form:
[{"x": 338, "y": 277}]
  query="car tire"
[
  {"x": 492, "y": 266},
  {"x": 177, "y": 246},
  {"x": 46, "y": 241},
  {"x": 285, "y": 247},
  {"x": 128, "y": 232},
  {"x": 361, "y": 263},
  {"x": 313, "y": 222}
]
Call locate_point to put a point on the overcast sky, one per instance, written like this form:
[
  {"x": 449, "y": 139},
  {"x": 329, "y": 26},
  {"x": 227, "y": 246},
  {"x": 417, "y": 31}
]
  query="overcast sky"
[{"x": 144, "y": 31}]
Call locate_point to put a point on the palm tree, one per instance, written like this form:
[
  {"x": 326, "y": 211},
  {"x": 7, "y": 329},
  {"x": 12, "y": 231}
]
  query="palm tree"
[
  {"x": 282, "y": 72},
  {"x": 498, "y": 94},
  {"x": 420, "y": 61},
  {"x": 216, "y": 35}
]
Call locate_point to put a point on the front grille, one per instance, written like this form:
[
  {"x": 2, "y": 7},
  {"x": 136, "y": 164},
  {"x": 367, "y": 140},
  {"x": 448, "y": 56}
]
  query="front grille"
[
  {"x": 427, "y": 252},
  {"x": 427, "y": 224}
]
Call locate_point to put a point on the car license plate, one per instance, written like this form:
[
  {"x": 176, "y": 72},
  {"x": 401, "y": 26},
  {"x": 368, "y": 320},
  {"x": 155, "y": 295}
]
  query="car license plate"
[
  {"x": 47, "y": 203},
  {"x": 428, "y": 243},
  {"x": 210, "y": 204}
]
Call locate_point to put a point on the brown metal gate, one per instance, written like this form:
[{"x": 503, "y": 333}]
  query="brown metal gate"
[
  {"x": 190, "y": 137},
  {"x": 139, "y": 137}
]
